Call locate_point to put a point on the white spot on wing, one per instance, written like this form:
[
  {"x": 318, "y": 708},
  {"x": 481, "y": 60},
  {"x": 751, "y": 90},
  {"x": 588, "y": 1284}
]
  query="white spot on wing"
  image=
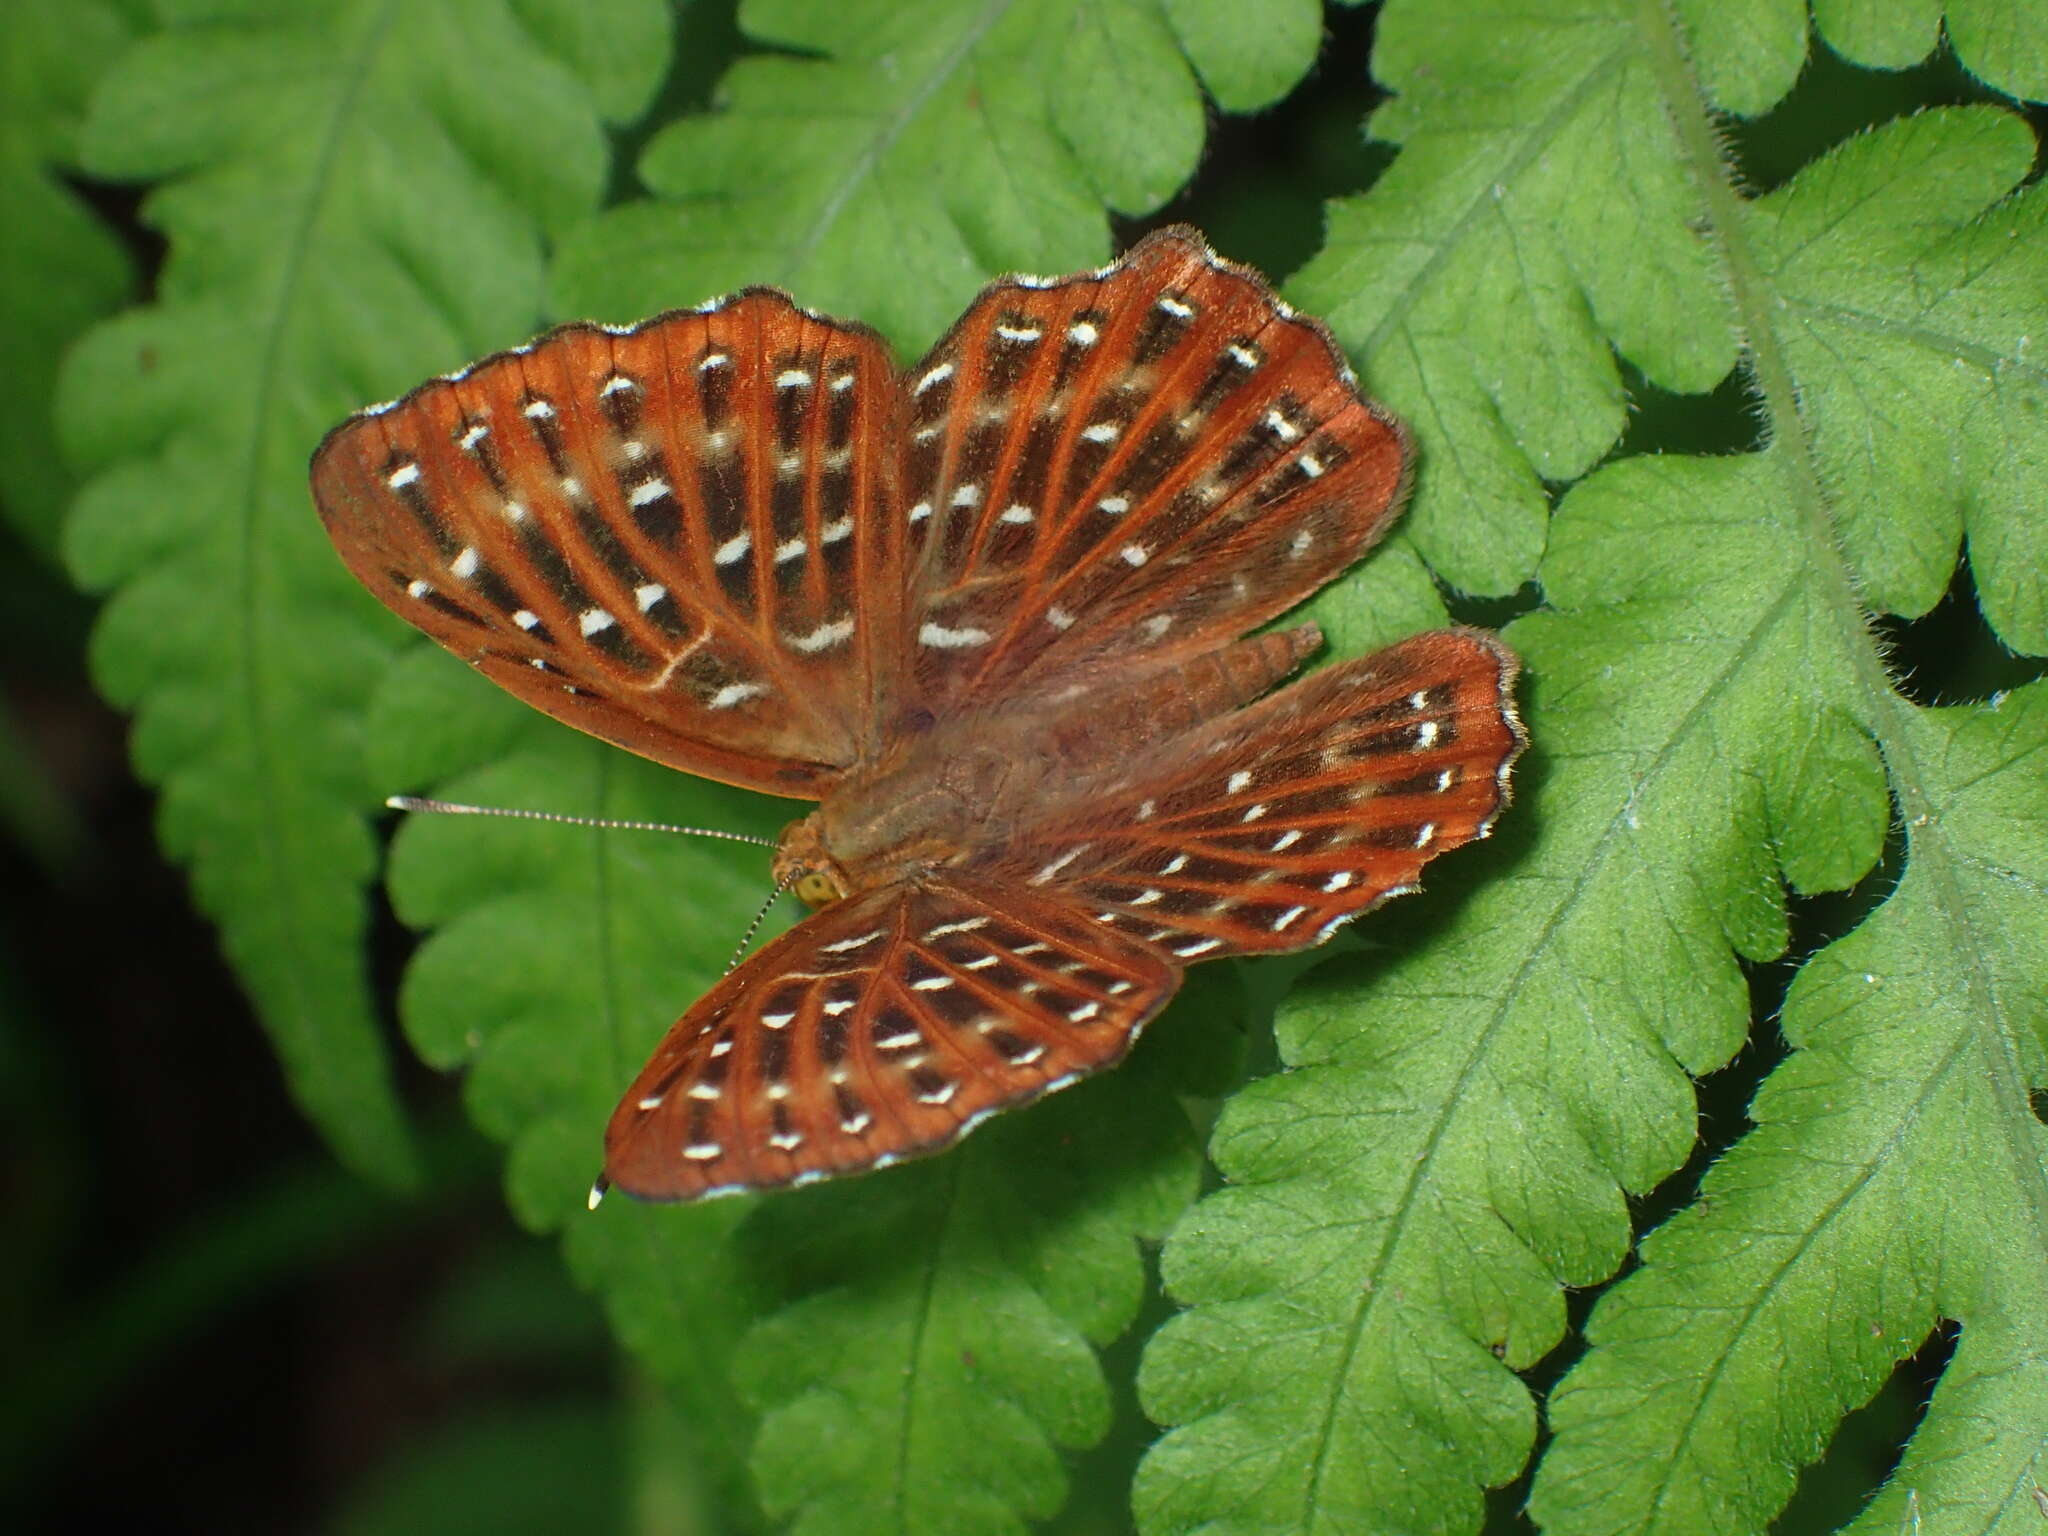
[
  {"x": 792, "y": 378},
  {"x": 823, "y": 637},
  {"x": 844, "y": 945},
  {"x": 939, "y": 636},
  {"x": 593, "y": 621},
  {"x": 935, "y": 376},
  {"x": 734, "y": 548},
  {"x": 735, "y": 693},
  {"x": 648, "y": 490},
  {"x": 401, "y": 477},
  {"x": 464, "y": 565},
  {"x": 1056, "y": 866}
]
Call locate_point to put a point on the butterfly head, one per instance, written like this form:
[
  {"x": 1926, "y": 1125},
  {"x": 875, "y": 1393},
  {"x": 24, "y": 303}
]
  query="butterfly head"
[{"x": 804, "y": 865}]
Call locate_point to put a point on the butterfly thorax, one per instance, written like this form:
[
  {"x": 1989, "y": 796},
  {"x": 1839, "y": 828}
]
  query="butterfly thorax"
[{"x": 943, "y": 792}]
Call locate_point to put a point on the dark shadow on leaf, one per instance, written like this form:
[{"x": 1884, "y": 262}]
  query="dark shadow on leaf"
[
  {"x": 1950, "y": 655},
  {"x": 1868, "y": 1443}
]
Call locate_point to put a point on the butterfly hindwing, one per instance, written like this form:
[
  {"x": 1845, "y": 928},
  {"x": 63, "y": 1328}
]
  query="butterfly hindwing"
[
  {"x": 1129, "y": 466},
  {"x": 658, "y": 535},
  {"x": 885, "y": 1026},
  {"x": 1275, "y": 824}
]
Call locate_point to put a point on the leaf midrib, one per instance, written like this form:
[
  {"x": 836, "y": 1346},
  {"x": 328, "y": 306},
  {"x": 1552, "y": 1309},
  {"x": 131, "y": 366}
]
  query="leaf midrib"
[
  {"x": 892, "y": 127},
  {"x": 252, "y": 611}
]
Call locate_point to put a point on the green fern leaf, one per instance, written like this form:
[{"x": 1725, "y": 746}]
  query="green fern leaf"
[
  {"x": 2004, "y": 45},
  {"x": 351, "y": 201},
  {"x": 917, "y": 149},
  {"x": 1538, "y": 183},
  {"x": 60, "y": 269},
  {"x": 1895, "y": 1178},
  {"x": 938, "y": 1349},
  {"x": 1711, "y": 717}
]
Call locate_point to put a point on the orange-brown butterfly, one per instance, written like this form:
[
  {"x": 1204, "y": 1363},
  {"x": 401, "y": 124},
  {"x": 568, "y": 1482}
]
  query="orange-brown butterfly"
[{"x": 995, "y": 614}]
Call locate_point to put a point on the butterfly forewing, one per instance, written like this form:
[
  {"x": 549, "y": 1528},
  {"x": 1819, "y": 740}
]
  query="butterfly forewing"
[
  {"x": 660, "y": 535},
  {"x": 1136, "y": 465},
  {"x": 884, "y": 1027},
  {"x": 1274, "y": 825}
]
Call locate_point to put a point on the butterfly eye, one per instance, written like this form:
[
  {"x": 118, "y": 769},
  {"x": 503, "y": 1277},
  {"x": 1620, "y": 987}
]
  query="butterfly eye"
[{"x": 818, "y": 889}]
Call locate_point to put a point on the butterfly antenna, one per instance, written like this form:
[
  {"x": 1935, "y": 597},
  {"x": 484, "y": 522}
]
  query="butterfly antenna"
[
  {"x": 456, "y": 808},
  {"x": 759, "y": 917}
]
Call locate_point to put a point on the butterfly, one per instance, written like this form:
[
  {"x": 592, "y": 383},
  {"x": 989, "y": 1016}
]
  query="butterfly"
[{"x": 999, "y": 616}]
